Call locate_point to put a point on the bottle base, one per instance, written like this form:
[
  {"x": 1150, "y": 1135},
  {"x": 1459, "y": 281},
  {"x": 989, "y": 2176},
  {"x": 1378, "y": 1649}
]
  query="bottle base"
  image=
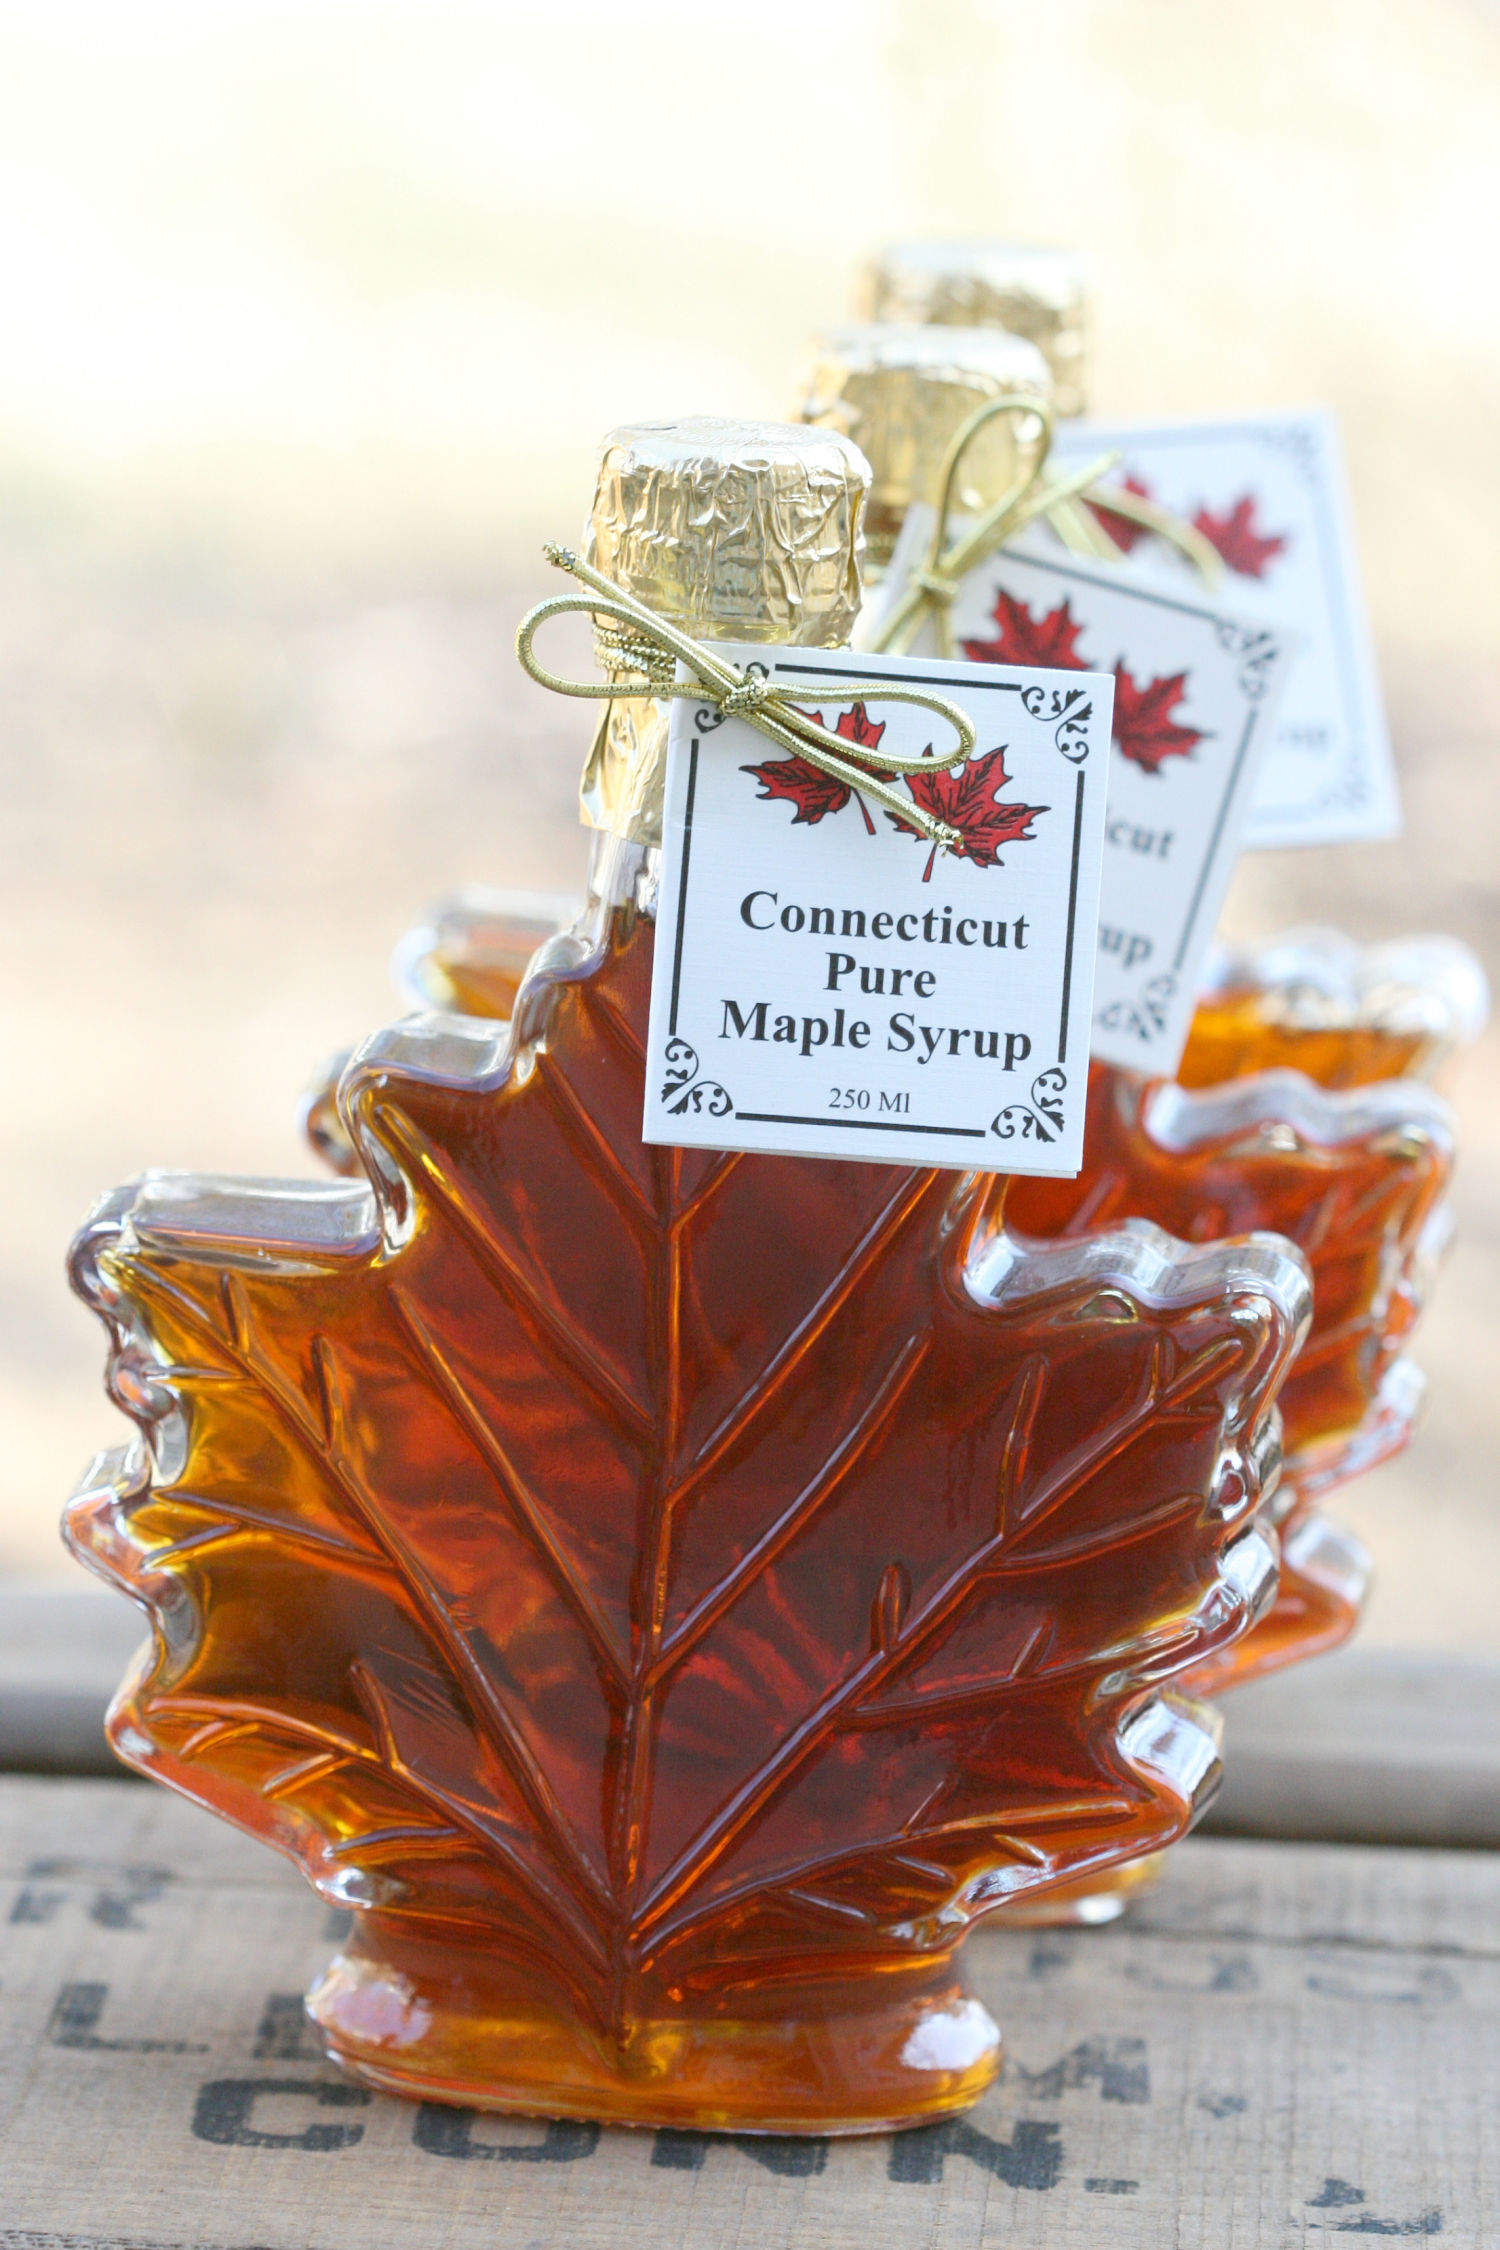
[
  {"x": 1089, "y": 1902},
  {"x": 432, "y": 2033}
]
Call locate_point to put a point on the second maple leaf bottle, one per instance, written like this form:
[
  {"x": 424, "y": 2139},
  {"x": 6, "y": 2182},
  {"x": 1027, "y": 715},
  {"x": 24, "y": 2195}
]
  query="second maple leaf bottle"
[
  {"x": 1274, "y": 1132},
  {"x": 668, "y": 1596}
]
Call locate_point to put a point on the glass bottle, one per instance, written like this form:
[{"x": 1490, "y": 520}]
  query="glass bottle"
[
  {"x": 1313, "y": 1000},
  {"x": 669, "y": 1596}
]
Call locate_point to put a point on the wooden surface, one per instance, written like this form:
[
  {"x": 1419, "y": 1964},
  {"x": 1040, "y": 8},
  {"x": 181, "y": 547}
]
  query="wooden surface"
[
  {"x": 1287, "y": 2044},
  {"x": 1379, "y": 1746},
  {"x": 63, "y": 1652},
  {"x": 1370, "y": 1747}
]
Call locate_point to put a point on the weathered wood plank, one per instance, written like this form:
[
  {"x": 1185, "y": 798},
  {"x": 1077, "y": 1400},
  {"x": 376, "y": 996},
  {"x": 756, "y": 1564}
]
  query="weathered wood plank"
[
  {"x": 1380, "y": 1746},
  {"x": 63, "y": 1652},
  {"x": 1286, "y": 2045}
]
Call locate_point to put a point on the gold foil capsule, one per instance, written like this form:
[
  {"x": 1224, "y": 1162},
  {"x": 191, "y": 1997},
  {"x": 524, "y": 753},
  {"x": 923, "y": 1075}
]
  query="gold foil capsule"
[
  {"x": 1029, "y": 290},
  {"x": 748, "y": 531},
  {"x": 902, "y": 394}
]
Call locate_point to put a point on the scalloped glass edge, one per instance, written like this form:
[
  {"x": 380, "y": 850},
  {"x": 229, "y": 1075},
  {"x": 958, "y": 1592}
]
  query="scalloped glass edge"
[{"x": 1318, "y": 979}]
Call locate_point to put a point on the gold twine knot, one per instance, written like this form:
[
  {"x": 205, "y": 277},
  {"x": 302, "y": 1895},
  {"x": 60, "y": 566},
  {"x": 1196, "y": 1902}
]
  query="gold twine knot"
[
  {"x": 634, "y": 639},
  {"x": 740, "y": 702}
]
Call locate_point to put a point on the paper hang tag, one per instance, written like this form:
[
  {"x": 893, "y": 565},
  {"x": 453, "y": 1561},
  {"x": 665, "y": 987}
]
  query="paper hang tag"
[
  {"x": 1269, "y": 492},
  {"x": 826, "y": 984},
  {"x": 1194, "y": 710}
]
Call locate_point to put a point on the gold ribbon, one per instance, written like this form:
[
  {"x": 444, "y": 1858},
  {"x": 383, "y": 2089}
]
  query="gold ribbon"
[
  {"x": 630, "y": 637},
  {"x": 934, "y": 585}
]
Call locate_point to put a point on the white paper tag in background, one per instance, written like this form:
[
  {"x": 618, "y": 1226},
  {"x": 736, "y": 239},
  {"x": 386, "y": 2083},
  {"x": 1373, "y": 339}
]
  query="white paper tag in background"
[
  {"x": 1195, "y": 701},
  {"x": 908, "y": 553},
  {"x": 1269, "y": 493},
  {"x": 825, "y": 984}
]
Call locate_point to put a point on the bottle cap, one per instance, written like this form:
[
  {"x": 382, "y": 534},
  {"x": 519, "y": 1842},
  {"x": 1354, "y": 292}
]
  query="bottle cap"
[
  {"x": 742, "y": 531},
  {"x": 902, "y": 393},
  {"x": 1033, "y": 292},
  {"x": 735, "y": 531}
]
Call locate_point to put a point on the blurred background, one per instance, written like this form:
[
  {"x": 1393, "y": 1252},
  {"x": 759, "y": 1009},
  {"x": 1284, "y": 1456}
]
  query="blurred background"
[{"x": 313, "y": 317}]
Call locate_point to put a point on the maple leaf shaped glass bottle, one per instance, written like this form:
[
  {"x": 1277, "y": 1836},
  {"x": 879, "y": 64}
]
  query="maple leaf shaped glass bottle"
[
  {"x": 1358, "y": 1182},
  {"x": 668, "y": 1596}
]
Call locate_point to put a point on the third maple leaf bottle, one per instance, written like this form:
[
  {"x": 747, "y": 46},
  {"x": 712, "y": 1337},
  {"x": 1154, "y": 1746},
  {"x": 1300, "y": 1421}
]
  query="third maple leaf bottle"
[
  {"x": 1345, "y": 1014},
  {"x": 666, "y": 1597}
]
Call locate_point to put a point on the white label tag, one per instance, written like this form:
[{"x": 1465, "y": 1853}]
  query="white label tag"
[
  {"x": 826, "y": 984},
  {"x": 1269, "y": 492},
  {"x": 1195, "y": 693}
]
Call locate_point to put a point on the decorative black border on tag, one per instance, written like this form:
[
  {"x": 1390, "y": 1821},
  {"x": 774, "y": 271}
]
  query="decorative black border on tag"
[
  {"x": 683, "y": 1089},
  {"x": 1146, "y": 1016},
  {"x": 1041, "y": 1119}
]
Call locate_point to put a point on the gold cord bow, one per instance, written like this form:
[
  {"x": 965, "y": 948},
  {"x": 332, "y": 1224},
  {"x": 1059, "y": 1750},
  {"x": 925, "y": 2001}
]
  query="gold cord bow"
[
  {"x": 934, "y": 584},
  {"x": 631, "y": 638}
]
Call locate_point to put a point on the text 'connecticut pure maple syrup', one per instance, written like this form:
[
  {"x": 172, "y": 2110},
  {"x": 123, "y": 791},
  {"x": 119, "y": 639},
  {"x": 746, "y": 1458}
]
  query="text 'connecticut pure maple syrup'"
[{"x": 668, "y": 1596}]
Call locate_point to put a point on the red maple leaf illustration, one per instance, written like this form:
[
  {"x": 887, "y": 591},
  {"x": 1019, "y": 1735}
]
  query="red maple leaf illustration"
[
  {"x": 1145, "y": 730},
  {"x": 1244, "y": 549},
  {"x": 856, "y": 726},
  {"x": 1123, "y": 530},
  {"x": 813, "y": 792},
  {"x": 1025, "y": 639},
  {"x": 969, "y": 802}
]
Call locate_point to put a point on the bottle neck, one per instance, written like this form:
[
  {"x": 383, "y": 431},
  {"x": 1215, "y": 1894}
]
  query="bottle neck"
[
  {"x": 621, "y": 792},
  {"x": 620, "y": 795}
]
